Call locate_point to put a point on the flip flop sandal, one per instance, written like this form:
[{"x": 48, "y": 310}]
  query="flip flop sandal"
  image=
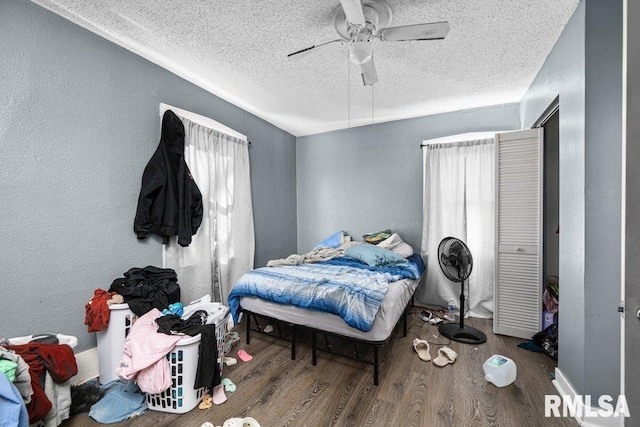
[
  {"x": 229, "y": 361},
  {"x": 228, "y": 385},
  {"x": 445, "y": 357},
  {"x": 422, "y": 348},
  {"x": 218, "y": 395},
  {"x": 206, "y": 402},
  {"x": 244, "y": 356}
]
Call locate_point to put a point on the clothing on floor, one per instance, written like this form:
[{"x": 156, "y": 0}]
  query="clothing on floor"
[
  {"x": 122, "y": 400},
  {"x": 12, "y": 407},
  {"x": 97, "y": 311},
  {"x": 144, "y": 357},
  {"x": 57, "y": 360},
  {"x": 147, "y": 288},
  {"x": 85, "y": 395},
  {"x": 170, "y": 203},
  {"x": 208, "y": 371}
]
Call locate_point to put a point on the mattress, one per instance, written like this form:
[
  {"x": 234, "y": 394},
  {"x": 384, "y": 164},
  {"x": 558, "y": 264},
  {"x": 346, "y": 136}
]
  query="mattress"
[{"x": 393, "y": 305}]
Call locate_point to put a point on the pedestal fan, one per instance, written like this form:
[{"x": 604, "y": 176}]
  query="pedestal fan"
[{"x": 456, "y": 263}]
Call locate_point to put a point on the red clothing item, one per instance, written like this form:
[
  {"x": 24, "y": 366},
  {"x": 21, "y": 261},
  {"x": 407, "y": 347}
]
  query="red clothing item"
[
  {"x": 97, "y": 311},
  {"x": 57, "y": 359}
]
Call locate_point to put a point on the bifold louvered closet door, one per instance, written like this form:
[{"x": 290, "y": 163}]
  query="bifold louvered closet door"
[{"x": 518, "y": 288}]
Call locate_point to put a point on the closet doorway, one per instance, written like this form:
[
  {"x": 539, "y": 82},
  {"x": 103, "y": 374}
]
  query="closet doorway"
[
  {"x": 551, "y": 198},
  {"x": 550, "y": 123}
]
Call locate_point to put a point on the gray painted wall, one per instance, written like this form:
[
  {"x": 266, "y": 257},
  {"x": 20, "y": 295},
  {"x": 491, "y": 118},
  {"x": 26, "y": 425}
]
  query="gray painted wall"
[
  {"x": 369, "y": 178},
  {"x": 603, "y": 194},
  {"x": 78, "y": 123},
  {"x": 632, "y": 230},
  {"x": 584, "y": 69}
]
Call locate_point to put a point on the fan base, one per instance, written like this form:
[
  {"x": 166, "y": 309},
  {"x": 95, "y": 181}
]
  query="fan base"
[
  {"x": 374, "y": 10},
  {"x": 466, "y": 334}
]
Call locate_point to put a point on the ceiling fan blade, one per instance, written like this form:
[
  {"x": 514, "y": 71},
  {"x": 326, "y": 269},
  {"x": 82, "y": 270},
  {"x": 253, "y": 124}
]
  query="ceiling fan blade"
[
  {"x": 353, "y": 11},
  {"x": 369, "y": 73},
  {"x": 303, "y": 53},
  {"x": 431, "y": 31}
]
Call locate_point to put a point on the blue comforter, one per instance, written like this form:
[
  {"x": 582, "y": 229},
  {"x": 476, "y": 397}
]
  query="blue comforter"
[{"x": 343, "y": 286}]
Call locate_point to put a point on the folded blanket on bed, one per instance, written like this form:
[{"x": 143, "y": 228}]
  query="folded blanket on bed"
[
  {"x": 316, "y": 255},
  {"x": 343, "y": 286}
]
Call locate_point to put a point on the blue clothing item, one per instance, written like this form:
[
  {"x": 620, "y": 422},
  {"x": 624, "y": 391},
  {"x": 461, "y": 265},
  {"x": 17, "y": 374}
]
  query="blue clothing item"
[
  {"x": 332, "y": 241},
  {"x": 123, "y": 400},
  {"x": 12, "y": 407},
  {"x": 175, "y": 308}
]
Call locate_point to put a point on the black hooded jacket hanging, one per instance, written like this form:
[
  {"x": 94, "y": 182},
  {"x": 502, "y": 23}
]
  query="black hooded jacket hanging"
[{"x": 170, "y": 203}]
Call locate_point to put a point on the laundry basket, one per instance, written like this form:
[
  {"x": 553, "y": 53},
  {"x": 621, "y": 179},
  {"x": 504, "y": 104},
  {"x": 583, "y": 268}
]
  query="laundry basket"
[
  {"x": 181, "y": 397},
  {"x": 69, "y": 340},
  {"x": 111, "y": 341}
]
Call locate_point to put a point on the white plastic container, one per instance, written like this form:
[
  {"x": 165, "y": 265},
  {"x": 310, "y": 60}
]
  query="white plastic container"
[
  {"x": 69, "y": 340},
  {"x": 111, "y": 341},
  {"x": 183, "y": 363},
  {"x": 500, "y": 370}
]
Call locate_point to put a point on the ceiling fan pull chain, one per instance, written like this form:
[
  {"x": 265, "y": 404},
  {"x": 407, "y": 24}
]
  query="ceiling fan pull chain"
[
  {"x": 372, "y": 104},
  {"x": 348, "y": 93}
]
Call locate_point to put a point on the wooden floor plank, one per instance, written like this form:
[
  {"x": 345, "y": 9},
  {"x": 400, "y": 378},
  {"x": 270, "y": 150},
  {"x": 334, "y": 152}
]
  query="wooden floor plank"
[{"x": 278, "y": 391}]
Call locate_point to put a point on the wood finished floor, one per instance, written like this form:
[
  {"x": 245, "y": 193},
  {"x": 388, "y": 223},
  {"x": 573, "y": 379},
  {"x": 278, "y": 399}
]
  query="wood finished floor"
[{"x": 278, "y": 391}]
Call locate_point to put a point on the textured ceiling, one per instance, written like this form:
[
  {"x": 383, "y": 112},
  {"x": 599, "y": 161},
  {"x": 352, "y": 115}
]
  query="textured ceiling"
[{"x": 238, "y": 51}]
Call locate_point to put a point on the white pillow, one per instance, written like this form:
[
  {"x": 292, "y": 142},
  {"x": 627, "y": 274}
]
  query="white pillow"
[{"x": 395, "y": 244}]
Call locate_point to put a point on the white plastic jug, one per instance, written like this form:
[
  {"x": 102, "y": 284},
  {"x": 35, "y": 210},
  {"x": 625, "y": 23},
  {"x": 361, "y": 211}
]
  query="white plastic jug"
[{"x": 500, "y": 370}]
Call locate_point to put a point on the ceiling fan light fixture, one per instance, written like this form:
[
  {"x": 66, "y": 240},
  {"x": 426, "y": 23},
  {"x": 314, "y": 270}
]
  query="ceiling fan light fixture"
[{"x": 360, "y": 52}]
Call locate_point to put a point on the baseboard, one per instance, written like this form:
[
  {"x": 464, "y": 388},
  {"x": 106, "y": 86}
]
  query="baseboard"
[
  {"x": 565, "y": 388},
  {"x": 87, "y": 362}
]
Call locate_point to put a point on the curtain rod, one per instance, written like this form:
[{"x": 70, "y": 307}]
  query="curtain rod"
[{"x": 468, "y": 136}]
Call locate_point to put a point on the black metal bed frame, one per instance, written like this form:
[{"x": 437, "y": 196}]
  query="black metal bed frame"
[{"x": 314, "y": 347}]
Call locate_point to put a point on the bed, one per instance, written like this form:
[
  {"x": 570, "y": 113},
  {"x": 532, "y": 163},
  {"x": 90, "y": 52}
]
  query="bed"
[{"x": 342, "y": 297}]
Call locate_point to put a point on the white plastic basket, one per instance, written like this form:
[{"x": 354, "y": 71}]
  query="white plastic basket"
[
  {"x": 69, "y": 340},
  {"x": 181, "y": 397},
  {"x": 111, "y": 341}
]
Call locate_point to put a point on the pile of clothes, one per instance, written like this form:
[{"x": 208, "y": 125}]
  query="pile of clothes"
[
  {"x": 141, "y": 288},
  {"x": 153, "y": 295},
  {"x": 34, "y": 383}
]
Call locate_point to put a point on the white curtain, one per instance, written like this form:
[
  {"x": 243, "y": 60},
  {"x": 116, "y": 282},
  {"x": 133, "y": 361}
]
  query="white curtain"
[
  {"x": 459, "y": 199},
  {"x": 223, "y": 248}
]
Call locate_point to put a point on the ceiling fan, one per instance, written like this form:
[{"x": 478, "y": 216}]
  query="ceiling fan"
[{"x": 357, "y": 22}]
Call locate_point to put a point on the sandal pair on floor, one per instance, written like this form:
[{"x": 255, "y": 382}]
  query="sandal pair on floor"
[{"x": 445, "y": 354}]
